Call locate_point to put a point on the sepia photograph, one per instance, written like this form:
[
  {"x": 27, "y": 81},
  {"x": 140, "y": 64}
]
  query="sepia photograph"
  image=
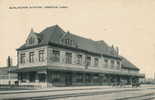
[{"x": 77, "y": 50}]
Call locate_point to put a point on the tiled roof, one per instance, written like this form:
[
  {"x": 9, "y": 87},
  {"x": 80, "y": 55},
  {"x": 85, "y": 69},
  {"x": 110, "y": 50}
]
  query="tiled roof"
[
  {"x": 54, "y": 34},
  {"x": 127, "y": 64},
  {"x": 99, "y": 47},
  {"x": 51, "y": 34}
]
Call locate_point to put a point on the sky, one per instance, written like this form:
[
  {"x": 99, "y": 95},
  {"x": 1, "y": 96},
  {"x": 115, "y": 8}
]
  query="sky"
[{"x": 128, "y": 24}]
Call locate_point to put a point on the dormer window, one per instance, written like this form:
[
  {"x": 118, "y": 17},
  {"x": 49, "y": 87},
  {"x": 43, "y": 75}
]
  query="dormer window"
[
  {"x": 31, "y": 40},
  {"x": 69, "y": 42}
]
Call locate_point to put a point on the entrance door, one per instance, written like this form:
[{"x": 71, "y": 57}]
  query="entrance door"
[{"x": 68, "y": 79}]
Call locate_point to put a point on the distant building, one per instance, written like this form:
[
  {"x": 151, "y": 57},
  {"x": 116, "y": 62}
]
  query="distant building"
[
  {"x": 57, "y": 58},
  {"x": 8, "y": 76}
]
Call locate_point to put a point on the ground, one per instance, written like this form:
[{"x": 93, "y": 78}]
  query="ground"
[{"x": 145, "y": 92}]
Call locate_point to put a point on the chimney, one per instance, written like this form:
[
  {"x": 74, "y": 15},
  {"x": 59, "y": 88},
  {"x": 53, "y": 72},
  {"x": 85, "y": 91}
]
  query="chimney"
[
  {"x": 9, "y": 61},
  {"x": 117, "y": 50},
  {"x": 31, "y": 30},
  {"x": 112, "y": 50},
  {"x": 112, "y": 46},
  {"x": 68, "y": 32}
]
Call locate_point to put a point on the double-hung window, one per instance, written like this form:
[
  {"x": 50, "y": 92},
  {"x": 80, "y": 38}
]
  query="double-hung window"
[
  {"x": 68, "y": 58},
  {"x": 22, "y": 58},
  {"x": 41, "y": 55},
  {"x": 112, "y": 63},
  {"x": 31, "y": 57},
  {"x": 88, "y": 60},
  {"x": 96, "y": 62},
  {"x": 106, "y": 63},
  {"x": 79, "y": 59},
  {"x": 56, "y": 56}
]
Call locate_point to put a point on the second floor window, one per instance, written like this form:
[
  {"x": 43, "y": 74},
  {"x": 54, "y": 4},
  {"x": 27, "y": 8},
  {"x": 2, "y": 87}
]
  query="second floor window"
[
  {"x": 31, "y": 57},
  {"x": 88, "y": 60},
  {"x": 112, "y": 63},
  {"x": 106, "y": 62},
  {"x": 118, "y": 64},
  {"x": 41, "y": 55},
  {"x": 22, "y": 58},
  {"x": 79, "y": 59},
  {"x": 68, "y": 58},
  {"x": 96, "y": 62},
  {"x": 56, "y": 56}
]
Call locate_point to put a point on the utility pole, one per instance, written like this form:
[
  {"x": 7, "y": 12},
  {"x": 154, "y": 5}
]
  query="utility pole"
[{"x": 9, "y": 64}]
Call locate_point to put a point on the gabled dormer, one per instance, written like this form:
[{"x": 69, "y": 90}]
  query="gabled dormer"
[
  {"x": 68, "y": 40},
  {"x": 33, "y": 38}
]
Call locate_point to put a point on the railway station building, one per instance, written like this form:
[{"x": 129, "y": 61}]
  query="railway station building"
[{"x": 54, "y": 57}]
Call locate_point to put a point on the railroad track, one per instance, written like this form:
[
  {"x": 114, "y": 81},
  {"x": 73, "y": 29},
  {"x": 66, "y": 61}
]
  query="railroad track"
[
  {"x": 149, "y": 96},
  {"x": 20, "y": 92},
  {"x": 59, "y": 96}
]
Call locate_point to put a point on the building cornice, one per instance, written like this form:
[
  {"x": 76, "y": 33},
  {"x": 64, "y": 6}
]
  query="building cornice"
[{"x": 68, "y": 47}]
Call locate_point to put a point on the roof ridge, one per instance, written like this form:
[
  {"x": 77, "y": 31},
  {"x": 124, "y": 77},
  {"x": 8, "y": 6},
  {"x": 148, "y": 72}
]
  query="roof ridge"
[
  {"x": 82, "y": 37},
  {"x": 95, "y": 41},
  {"x": 52, "y": 27}
]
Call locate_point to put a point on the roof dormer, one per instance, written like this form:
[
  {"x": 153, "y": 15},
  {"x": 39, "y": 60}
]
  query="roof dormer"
[
  {"x": 32, "y": 39},
  {"x": 68, "y": 40}
]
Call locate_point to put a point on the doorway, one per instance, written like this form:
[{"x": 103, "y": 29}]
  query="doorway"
[{"x": 68, "y": 79}]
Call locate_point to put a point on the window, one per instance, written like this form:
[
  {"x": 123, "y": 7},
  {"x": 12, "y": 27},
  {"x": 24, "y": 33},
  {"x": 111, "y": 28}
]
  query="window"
[
  {"x": 56, "y": 56},
  {"x": 68, "y": 58},
  {"x": 96, "y": 62},
  {"x": 69, "y": 42},
  {"x": 88, "y": 60},
  {"x": 79, "y": 78},
  {"x": 22, "y": 58},
  {"x": 106, "y": 62},
  {"x": 118, "y": 64},
  {"x": 56, "y": 77},
  {"x": 88, "y": 78},
  {"x": 79, "y": 59},
  {"x": 31, "y": 57},
  {"x": 32, "y": 76},
  {"x": 42, "y": 77},
  {"x": 23, "y": 77},
  {"x": 41, "y": 55},
  {"x": 112, "y": 63},
  {"x": 31, "y": 40}
]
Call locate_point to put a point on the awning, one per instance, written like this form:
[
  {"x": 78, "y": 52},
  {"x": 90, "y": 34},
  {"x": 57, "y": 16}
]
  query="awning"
[{"x": 75, "y": 69}]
